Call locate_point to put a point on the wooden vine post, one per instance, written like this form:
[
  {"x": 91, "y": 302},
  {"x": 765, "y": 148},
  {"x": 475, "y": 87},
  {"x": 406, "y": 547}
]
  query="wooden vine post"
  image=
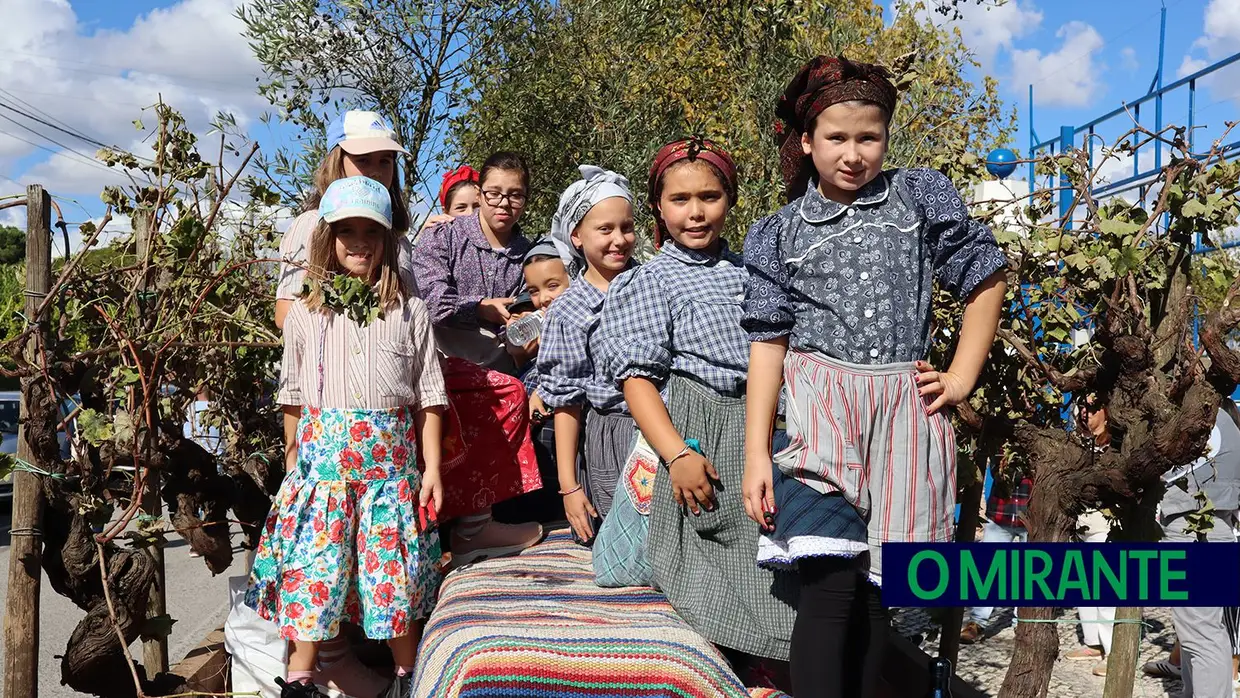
[
  {"x": 154, "y": 649},
  {"x": 21, "y": 620},
  {"x": 1125, "y": 652}
]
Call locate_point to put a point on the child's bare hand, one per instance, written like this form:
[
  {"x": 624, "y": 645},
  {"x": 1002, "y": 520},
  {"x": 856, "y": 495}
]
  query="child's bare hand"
[
  {"x": 950, "y": 388},
  {"x": 436, "y": 219},
  {"x": 431, "y": 491},
  {"x": 691, "y": 477},
  {"x": 758, "y": 490},
  {"x": 581, "y": 514},
  {"x": 494, "y": 310},
  {"x": 538, "y": 408}
]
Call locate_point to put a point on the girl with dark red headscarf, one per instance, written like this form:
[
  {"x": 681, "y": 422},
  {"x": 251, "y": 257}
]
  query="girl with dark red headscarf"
[
  {"x": 838, "y": 309},
  {"x": 672, "y": 338}
]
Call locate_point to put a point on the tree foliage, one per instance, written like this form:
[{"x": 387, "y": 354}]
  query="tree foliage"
[
  {"x": 403, "y": 58},
  {"x": 1103, "y": 308},
  {"x": 12, "y": 245},
  {"x": 609, "y": 81},
  {"x": 135, "y": 330}
]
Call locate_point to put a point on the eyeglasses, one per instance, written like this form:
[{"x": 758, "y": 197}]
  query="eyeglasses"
[{"x": 496, "y": 198}]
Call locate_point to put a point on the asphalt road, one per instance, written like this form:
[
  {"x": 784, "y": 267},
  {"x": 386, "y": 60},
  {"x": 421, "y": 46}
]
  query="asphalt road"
[{"x": 196, "y": 600}]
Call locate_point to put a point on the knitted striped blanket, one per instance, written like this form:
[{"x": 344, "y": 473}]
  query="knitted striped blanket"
[{"x": 536, "y": 626}]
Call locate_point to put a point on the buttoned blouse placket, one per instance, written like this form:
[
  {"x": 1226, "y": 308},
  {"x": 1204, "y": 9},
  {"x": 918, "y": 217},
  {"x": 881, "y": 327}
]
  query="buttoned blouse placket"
[
  {"x": 357, "y": 370},
  {"x": 884, "y": 246}
]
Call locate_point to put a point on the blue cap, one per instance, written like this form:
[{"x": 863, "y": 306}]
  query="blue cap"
[{"x": 357, "y": 197}]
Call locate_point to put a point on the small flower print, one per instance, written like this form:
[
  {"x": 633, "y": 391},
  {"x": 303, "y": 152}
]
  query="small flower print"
[{"x": 351, "y": 460}]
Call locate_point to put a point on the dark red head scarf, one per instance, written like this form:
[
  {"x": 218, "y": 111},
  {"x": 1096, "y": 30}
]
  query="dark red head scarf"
[
  {"x": 819, "y": 84},
  {"x": 687, "y": 149},
  {"x": 464, "y": 173}
]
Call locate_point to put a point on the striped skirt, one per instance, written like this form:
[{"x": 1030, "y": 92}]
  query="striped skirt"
[
  {"x": 607, "y": 444},
  {"x": 704, "y": 564},
  {"x": 866, "y": 464}
]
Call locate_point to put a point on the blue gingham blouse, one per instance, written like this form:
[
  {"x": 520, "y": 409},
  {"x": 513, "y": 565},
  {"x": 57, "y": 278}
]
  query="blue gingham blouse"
[
  {"x": 855, "y": 282},
  {"x": 678, "y": 313},
  {"x": 569, "y": 365}
]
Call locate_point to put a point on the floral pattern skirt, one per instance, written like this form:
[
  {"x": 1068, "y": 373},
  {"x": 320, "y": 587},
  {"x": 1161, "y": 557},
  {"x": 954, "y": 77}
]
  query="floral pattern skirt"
[{"x": 344, "y": 540}]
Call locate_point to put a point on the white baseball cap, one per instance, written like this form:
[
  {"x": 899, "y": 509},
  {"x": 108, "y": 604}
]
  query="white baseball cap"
[{"x": 361, "y": 132}]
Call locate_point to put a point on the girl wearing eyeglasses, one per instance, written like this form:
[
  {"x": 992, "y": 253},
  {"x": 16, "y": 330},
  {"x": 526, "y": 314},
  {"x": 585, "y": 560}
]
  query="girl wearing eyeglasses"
[{"x": 470, "y": 269}]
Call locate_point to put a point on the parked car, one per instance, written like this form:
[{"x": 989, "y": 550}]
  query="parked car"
[{"x": 10, "y": 410}]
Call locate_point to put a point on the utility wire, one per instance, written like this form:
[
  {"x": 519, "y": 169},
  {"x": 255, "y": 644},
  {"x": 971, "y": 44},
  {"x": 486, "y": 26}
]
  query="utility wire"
[{"x": 48, "y": 124}]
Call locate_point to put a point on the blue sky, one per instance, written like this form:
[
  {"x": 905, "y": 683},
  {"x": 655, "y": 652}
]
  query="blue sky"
[{"x": 92, "y": 65}]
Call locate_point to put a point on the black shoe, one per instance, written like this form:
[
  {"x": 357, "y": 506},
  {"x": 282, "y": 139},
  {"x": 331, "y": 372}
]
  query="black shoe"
[
  {"x": 400, "y": 688},
  {"x": 297, "y": 689}
]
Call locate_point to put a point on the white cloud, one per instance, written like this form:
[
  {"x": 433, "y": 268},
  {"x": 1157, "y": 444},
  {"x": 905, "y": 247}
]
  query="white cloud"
[
  {"x": 1220, "y": 39},
  {"x": 987, "y": 28},
  {"x": 191, "y": 54},
  {"x": 1190, "y": 65},
  {"x": 1067, "y": 77},
  {"x": 1128, "y": 59}
]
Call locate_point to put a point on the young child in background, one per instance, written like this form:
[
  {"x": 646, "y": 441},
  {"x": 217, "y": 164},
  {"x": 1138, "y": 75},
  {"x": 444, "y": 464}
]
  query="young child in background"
[
  {"x": 348, "y": 537},
  {"x": 359, "y": 143},
  {"x": 843, "y": 277},
  {"x": 458, "y": 196},
  {"x": 545, "y": 269},
  {"x": 595, "y": 221},
  {"x": 671, "y": 327}
]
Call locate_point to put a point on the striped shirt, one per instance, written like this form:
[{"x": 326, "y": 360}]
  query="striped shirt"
[
  {"x": 678, "y": 313},
  {"x": 569, "y": 368},
  {"x": 295, "y": 247},
  {"x": 331, "y": 361}
]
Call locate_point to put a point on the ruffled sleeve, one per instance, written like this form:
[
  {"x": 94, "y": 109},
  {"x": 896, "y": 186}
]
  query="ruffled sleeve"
[
  {"x": 635, "y": 330},
  {"x": 768, "y": 307},
  {"x": 564, "y": 365},
  {"x": 965, "y": 251}
]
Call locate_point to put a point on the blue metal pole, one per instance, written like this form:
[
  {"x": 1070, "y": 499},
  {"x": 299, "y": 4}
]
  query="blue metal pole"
[
  {"x": 1158, "y": 101},
  {"x": 1192, "y": 105},
  {"x": 1067, "y": 138},
  {"x": 1032, "y": 141}
]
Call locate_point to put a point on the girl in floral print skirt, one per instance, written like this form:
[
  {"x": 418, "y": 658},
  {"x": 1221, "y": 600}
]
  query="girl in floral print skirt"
[{"x": 348, "y": 539}]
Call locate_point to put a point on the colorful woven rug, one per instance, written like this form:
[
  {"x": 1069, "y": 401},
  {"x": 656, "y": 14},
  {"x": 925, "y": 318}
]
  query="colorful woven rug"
[{"x": 536, "y": 626}]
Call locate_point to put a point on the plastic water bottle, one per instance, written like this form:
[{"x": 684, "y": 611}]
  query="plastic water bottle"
[
  {"x": 940, "y": 678},
  {"x": 525, "y": 330}
]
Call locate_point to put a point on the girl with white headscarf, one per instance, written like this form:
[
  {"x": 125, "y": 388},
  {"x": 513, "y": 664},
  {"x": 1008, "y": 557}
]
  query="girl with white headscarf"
[{"x": 594, "y": 225}]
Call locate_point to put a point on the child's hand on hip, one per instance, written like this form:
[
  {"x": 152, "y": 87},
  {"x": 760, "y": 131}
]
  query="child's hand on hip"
[
  {"x": 431, "y": 492},
  {"x": 758, "y": 490},
  {"x": 950, "y": 388},
  {"x": 580, "y": 513},
  {"x": 691, "y": 476}
]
